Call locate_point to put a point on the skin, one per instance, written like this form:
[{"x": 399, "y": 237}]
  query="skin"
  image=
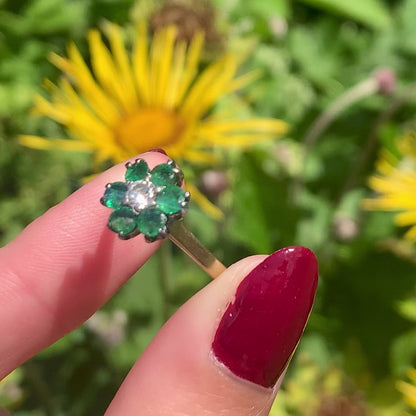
[{"x": 66, "y": 264}]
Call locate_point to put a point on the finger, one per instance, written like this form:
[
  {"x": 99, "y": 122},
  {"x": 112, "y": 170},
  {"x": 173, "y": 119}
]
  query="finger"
[
  {"x": 62, "y": 268},
  {"x": 224, "y": 351}
]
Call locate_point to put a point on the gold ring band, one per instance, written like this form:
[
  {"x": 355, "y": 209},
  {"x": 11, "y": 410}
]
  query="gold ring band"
[{"x": 188, "y": 243}]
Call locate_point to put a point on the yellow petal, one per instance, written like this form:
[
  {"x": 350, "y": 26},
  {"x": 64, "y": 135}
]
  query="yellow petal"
[
  {"x": 191, "y": 66},
  {"x": 386, "y": 163},
  {"x": 162, "y": 51},
  {"x": 407, "y": 145},
  {"x": 81, "y": 76},
  {"x": 37, "y": 142},
  {"x": 236, "y": 140},
  {"x": 209, "y": 86},
  {"x": 411, "y": 373},
  {"x": 381, "y": 184},
  {"x": 411, "y": 234},
  {"x": 140, "y": 62},
  {"x": 172, "y": 98},
  {"x": 207, "y": 206},
  {"x": 105, "y": 71},
  {"x": 406, "y": 218},
  {"x": 45, "y": 108},
  {"x": 123, "y": 63},
  {"x": 256, "y": 124},
  {"x": 243, "y": 80},
  {"x": 409, "y": 392},
  {"x": 199, "y": 156}
]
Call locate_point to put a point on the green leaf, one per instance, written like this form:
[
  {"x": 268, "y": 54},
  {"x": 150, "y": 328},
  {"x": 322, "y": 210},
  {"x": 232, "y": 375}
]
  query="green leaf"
[
  {"x": 404, "y": 352},
  {"x": 307, "y": 43},
  {"x": 46, "y": 17},
  {"x": 407, "y": 308},
  {"x": 369, "y": 12},
  {"x": 269, "y": 8},
  {"x": 264, "y": 215},
  {"x": 350, "y": 204},
  {"x": 250, "y": 222},
  {"x": 406, "y": 27},
  {"x": 264, "y": 9},
  {"x": 315, "y": 226},
  {"x": 51, "y": 16},
  {"x": 314, "y": 346}
]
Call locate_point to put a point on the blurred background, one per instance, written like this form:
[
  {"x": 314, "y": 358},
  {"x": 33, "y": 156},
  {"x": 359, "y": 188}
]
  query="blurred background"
[{"x": 342, "y": 75}]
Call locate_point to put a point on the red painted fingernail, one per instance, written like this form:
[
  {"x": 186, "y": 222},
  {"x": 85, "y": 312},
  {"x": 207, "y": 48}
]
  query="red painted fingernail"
[
  {"x": 158, "y": 151},
  {"x": 263, "y": 324}
]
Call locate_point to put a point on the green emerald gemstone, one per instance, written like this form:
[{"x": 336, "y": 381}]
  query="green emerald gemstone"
[
  {"x": 114, "y": 195},
  {"x": 163, "y": 175},
  {"x": 150, "y": 221},
  {"x": 122, "y": 221},
  {"x": 170, "y": 199},
  {"x": 137, "y": 171}
]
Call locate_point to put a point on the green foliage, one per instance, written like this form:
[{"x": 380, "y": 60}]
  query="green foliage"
[
  {"x": 309, "y": 52},
  {"x": 370, "y": 12},
  {"x": 44, "y": 17},
  {"x": 263, "y": 217}
]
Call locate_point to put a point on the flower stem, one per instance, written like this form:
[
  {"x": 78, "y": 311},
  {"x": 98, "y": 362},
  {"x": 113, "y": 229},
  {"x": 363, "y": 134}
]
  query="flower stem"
[
  {"x": 369, "y": 148},
  {"x": 363, "y": 89}
]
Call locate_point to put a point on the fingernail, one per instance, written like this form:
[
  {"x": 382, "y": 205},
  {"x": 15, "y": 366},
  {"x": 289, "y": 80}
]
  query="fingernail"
[
  {"x": 158, "y": 151},
  {"x": 262, "y": 325}
]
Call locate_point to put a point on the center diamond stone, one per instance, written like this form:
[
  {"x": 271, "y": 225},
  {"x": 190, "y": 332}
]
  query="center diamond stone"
[{"x": 141, "y": 195}]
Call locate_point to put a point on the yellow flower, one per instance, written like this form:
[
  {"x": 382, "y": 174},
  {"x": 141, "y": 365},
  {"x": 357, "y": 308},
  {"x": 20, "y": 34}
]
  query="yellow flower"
[
  {"x": 395, "y": 183},
  {"x": 153, "y": 97},
  {"x": 408, "y": 390}
]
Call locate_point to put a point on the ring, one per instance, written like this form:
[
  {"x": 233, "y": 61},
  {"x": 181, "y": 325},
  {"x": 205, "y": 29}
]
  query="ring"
[{"x": 152, "y": 203}]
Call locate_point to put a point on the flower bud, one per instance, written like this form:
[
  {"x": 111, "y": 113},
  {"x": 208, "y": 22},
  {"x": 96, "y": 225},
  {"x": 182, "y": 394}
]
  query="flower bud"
[{"x": 386, "y": 79}]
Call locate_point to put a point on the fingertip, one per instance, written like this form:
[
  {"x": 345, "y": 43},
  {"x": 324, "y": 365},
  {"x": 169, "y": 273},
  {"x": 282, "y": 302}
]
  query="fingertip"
[
  {"x": 227, "y": 348},
  {"x": 262, "y": 325}
]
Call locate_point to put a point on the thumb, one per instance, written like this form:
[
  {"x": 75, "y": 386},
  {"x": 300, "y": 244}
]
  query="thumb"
[{"x": 225, "y": 350}]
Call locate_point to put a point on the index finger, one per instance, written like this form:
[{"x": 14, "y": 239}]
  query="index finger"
[{"x": 62, "y": 268}]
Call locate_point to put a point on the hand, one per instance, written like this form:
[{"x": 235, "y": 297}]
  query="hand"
[{"x": 223, "y": 352}]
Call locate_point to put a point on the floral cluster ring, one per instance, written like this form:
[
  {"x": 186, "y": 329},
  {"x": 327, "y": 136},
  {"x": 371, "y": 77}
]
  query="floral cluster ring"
[
  {"x": 152, "y": 203},
  {"x": 147, "y": 202}
]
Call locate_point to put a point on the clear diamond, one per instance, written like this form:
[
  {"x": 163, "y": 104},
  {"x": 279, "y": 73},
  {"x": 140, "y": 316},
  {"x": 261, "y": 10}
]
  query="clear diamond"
[{"x": 141, "y": 195}]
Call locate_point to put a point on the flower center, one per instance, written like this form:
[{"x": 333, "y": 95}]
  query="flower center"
[
  {"x": 149, "y": 128},
  {"x": 141, "y": 195}
]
